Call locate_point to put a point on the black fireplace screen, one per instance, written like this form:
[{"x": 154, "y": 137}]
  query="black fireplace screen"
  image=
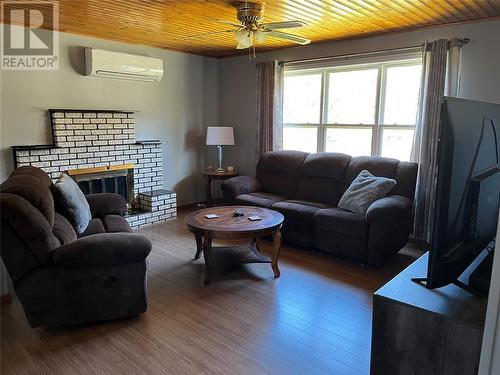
[{"x": 108, "y": 181}]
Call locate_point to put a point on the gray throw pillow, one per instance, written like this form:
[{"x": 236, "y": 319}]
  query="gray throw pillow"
[
  {"x": 71, "y": 202},
  {"x": 364, "y": 190}
]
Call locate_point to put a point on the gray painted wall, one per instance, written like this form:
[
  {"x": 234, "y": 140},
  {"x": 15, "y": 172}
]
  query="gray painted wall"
[
  {"x": 176, "y": 110},
  {"x": 197, "y": 92},
  {"x": 237, "y": 84}
]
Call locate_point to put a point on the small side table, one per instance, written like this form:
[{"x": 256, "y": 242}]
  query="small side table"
[{"x": 213, "y": 175}]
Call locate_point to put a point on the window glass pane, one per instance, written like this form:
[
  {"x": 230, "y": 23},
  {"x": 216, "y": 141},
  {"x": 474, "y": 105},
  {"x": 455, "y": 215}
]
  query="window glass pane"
[
  {"x": 302, "y": 99},
  {"x": 354, "y": 142},
  {"x": 300, "y": 138},
  {"x": 352, "y": 96},
  {"x": 401, "y": 95},
  {"x": 396, "y": 143}
]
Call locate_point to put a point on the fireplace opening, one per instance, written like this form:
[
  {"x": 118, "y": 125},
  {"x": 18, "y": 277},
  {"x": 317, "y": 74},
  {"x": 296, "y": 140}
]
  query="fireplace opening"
[{"x": 117, "y": 179}]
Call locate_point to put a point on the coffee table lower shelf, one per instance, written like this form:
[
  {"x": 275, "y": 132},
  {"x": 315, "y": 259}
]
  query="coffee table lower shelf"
[{"x": 228, "y": 256}]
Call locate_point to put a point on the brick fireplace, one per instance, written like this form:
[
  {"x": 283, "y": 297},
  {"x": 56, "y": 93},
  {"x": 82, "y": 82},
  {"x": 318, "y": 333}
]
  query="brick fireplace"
[{"x": 100, "y": 141}]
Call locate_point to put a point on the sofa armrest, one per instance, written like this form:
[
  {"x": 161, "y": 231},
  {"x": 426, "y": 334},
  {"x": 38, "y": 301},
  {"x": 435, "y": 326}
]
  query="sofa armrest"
[
  {"x": 103, "y": 204},
  {"x": 390, "y": 208},
  {"x": 235, "y": 186},
  {"x": 390, "y": 220},
  {"x": 102, "y": 250}
]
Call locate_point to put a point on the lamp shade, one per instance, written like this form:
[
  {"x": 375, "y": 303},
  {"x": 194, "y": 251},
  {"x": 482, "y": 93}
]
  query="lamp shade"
[{"x": 220, "y": 135}]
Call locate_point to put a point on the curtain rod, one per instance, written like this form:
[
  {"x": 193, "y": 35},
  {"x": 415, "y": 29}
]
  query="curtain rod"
[{"x": 400, "y": 49}]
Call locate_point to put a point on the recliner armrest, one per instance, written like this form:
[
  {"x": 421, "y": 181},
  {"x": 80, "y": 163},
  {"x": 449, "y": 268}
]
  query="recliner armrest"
[
  {"x": 235, "y": 186},
  {"x": 389, "y": 208},
  {"x": 103, "y": 204},
  {"x": 102, "y": 250},
  {"x": 390, "y": 220}
]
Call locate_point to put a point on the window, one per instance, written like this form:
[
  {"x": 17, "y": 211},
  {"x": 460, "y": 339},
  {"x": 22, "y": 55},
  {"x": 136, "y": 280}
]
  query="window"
[{"x": 366, "y": 109}]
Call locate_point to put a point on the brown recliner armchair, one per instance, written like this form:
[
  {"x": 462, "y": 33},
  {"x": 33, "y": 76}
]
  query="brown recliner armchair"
[{"x": 61, "y": 279}]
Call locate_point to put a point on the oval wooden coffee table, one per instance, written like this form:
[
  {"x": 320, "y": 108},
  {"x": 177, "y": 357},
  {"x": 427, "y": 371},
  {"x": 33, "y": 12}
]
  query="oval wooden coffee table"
[{"x": 227, "y": 226}]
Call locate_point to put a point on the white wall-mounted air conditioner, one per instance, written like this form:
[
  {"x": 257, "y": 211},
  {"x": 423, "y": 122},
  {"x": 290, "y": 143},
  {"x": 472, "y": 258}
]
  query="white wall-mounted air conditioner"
[{"x": 107, "y": 64}]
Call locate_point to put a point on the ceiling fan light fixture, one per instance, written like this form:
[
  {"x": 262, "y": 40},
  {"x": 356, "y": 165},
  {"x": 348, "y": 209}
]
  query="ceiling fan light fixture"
[
  {"x": 244, "y": 38},
  {"x": 260, "y": 36},
  {"x": 240, "y": 35}
]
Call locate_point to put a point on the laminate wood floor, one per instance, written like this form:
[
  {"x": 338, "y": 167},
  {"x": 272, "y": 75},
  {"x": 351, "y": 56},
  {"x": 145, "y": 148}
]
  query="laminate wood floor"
[{"x": 314, "y": 319}]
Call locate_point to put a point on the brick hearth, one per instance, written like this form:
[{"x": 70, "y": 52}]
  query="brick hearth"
[{"x": 87, "y": 139}]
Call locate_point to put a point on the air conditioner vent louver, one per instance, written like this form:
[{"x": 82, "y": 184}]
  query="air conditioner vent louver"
[{"x": 107, "y": 64}]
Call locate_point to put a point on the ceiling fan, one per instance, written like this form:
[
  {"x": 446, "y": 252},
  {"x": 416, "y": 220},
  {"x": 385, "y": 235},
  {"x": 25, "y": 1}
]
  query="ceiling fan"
[{"x": 250, "y": 30}]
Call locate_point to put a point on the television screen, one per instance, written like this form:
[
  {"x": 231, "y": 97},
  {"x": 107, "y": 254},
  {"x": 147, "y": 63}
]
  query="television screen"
[{"x": 468, "y": 187}]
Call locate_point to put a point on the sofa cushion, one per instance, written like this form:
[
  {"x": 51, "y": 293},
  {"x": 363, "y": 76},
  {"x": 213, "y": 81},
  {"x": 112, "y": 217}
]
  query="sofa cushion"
[
  {"x": 32, "y": 189},
  {"x": 279, "y": 172},
  {"x": 71, "y": 202},
  {"x": 322, "y": 177},
  {"x": 341, "y": 221},
  {"x": 115, "y": 224},
  {"x": 95, "y": 226},
  {"x": 27, "y": 223},
  {"x": 63, "y": 230},
  {"x": 299, "y": 220},
  {"x": 103, "y": 204},
  {"x": 259, "y": 199},
  {"x": 364, "y": 190},
  {"x": 298, "y": 209},
  {"x": 39, "y": 174}
]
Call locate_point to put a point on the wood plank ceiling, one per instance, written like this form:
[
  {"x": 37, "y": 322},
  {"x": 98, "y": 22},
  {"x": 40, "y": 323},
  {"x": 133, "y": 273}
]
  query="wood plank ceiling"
[{"x": 164, "y": 23}]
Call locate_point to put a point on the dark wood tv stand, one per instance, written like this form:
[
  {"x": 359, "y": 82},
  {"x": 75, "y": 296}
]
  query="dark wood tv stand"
[{"x": 425, "y": 331}]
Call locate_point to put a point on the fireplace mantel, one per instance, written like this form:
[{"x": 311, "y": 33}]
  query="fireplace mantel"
[{"x": 80, "y": 171}]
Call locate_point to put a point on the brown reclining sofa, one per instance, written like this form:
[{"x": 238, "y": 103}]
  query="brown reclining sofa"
[{"x": 306, "y": 188}]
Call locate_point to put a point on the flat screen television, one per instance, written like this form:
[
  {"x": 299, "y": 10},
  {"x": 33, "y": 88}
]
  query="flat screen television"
[{"x": 468, "y": 189}]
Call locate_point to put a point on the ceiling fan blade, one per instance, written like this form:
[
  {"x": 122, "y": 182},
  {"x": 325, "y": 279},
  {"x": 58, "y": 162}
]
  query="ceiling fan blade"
[
  {"x": 290, "y": 37},
  {"x": 206, "y": 34},
  {"x": 223, "y": 22},
  {"x": 283, "y": 25}
]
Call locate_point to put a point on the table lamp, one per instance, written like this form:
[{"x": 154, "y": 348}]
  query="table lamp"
[{"x": 220, "y": 136}]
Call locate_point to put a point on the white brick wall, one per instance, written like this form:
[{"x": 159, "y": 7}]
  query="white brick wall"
[
  {"x": 103, "y": 138},
  {"x": 108, "y": 128},
  {"x": 160, "y": 204}
]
